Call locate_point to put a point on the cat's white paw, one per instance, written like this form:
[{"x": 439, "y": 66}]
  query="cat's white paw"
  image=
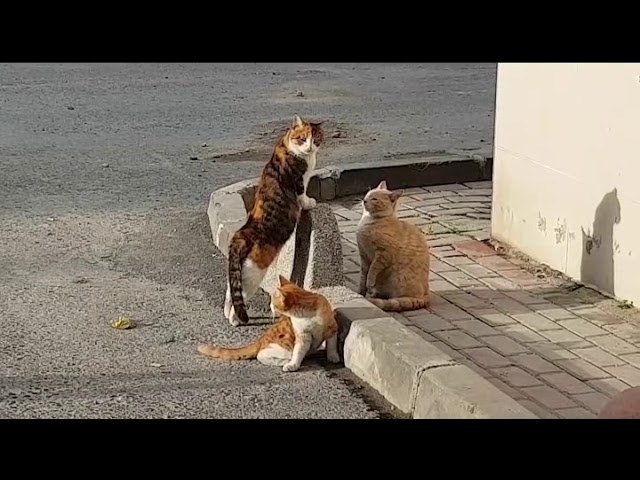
[
  {"x": 233, "y": 318},
  {"x": 307, "y": 203},
  {"x": 290, "y": 367},
  {"x": 333, "y": 357}
]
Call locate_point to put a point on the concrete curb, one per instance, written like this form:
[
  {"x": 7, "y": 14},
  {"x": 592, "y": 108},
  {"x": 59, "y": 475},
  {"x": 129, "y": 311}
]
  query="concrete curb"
[
  {"x": 415, "y": 376},
  {"x": 408, "y": 371},
  {"x": 332, "y": 182}
]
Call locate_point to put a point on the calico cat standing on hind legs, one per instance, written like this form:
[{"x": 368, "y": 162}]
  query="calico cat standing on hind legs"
[{"x": 279, "y": 198}]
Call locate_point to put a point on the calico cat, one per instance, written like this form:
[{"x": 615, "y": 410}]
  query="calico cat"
[
  {"x": 279, "y": 198},
  {"x": 306, "y": 320},
  {"x": 394, "y": 255}
]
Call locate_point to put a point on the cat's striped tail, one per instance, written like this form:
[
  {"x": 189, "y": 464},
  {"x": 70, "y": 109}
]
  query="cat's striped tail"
[
  {"x": 239, "y": 249},
  {"x": 243, "y": 353},
  {"x": 400, "y": 304}
]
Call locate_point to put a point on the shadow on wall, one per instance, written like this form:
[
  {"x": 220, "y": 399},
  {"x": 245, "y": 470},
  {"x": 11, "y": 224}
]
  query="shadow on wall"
[{"x": 597, "y": 267}]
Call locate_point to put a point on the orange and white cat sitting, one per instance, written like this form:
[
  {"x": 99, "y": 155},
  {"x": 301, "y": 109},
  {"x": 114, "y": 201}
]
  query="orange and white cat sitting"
[
  {"x": 306, "y": 321},
  {"x": 394, "y": 255}
]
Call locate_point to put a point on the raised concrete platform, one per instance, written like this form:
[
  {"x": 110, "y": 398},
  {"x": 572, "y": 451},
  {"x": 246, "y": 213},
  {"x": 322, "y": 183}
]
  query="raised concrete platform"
[
  {"x": 415, "y": 376},
  {"x": 313, "y": 255}
]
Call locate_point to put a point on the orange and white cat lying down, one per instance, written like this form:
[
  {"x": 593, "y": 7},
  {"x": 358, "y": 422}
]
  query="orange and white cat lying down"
[{"x": 306, "y": 320}]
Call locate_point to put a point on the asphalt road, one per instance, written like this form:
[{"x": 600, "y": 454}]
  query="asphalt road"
[{"x": 105, "y": 173}]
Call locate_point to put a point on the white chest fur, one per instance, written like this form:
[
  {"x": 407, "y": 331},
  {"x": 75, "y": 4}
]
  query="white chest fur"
[
  {"x": 313, "y": 326},
  {"x": 311, "y": 162},
  {"x": 365, "y": 219}
]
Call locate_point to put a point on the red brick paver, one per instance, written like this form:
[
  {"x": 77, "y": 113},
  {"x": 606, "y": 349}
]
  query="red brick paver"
[{"x": 557, "y": 351}]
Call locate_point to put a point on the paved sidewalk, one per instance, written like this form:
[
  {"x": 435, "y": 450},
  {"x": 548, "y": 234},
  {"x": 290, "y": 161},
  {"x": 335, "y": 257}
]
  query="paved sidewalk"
[{"x": 559, "y": 349}]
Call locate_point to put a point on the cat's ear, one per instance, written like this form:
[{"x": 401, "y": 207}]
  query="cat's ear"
[
  {"x": 283, "y": 280},
  {"x": 318, "y": 124},
  {"x": 395, "y": 195},
  {"x": 382, "y": 185},
  {"x": 297, "y": 121}
]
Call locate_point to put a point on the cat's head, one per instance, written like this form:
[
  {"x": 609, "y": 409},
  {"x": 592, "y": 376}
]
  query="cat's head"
[
  {"x": 290, "y": 299},
  {"x": 304, "y": 138},
  {"x": 380, "y": 201}
]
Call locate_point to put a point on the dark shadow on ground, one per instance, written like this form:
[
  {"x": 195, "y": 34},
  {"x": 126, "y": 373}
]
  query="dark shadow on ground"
[
  {"x": 597, "y": 268},
  {"x": 183, "y": 254}
]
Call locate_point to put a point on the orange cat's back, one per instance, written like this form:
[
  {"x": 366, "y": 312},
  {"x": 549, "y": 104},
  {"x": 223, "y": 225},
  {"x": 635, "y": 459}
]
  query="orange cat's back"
[
  {"x": 394, "y": 254},
  {"x": 296, "y": 301},
  {"x": 402, "y": 235}
]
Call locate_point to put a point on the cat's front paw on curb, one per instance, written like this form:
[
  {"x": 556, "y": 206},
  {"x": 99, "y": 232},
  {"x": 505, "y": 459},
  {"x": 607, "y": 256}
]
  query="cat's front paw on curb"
[
  {"x": 234, "y": 320},
  {"x": 307, "y": 203}
]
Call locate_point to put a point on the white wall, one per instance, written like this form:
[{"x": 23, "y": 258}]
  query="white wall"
[{"x": 566, "y": 160}]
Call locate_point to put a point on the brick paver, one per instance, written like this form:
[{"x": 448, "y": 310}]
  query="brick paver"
[{"x": 556, "y": 350}]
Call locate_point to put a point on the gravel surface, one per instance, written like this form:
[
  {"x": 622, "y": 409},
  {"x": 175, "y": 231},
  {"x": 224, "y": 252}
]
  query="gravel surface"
[{"x": 105, "y": 173}]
